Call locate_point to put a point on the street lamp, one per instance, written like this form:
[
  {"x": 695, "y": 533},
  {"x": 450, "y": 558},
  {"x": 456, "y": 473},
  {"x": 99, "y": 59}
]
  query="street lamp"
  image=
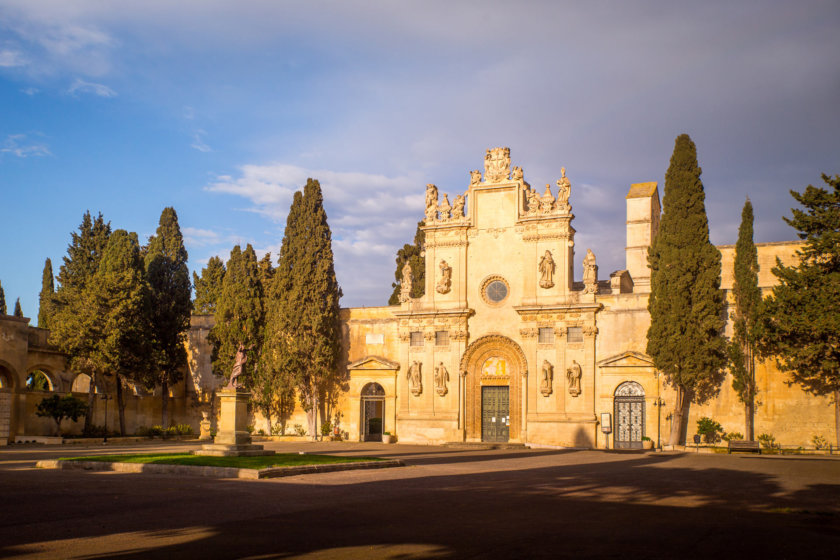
[
  {"x": 106, "y": 397},
  {"x": 658, "y": 403}
]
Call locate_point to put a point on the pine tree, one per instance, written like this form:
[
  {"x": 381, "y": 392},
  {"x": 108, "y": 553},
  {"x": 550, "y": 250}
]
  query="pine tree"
[
  {"x": 46, "y": 296},
  {"x": 121, "y": 301},
  {"x": 73, "y": 326},
  {"x": 169, "y": 281},
  {"x": 412, "y": 254},
  {"x": 3, "y": 309},
  {"x": 801, "y": 326},
  {"x": 208, "y": 286},
  {"x": 239, "y": 315},
  {"x": 18, "y": 310},
  {"x": 747, "y": 296},
  {"x": 686, "y": 303}
]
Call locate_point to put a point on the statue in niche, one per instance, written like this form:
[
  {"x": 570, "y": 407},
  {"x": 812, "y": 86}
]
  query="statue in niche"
[
  {"x": 533, "y": 201},
  {"x": 445, "y": 282},
  {"x": 458, "y": 207},
  {"x": 590, "y": 273},
  {"x": 444, "y": 208},
  {"x": 564, "y": 190},
  {"x": 475, "y": 177},
  {"x": 547, "y": 200},
  {"x": 547, "y": 271},
  {"x": 517, "y": 174},
  {"x": 431, "y": 203},
  {"x": 547, "y": 378},
  {"x": 497, "y": 165},
  {"x": 573, "y": 375},
  {"x": 441, "y": 378},
  {"x": 405, "y": 283},
  {"x": 238, "y": 365},
  {"x": 415, "y": 378}
]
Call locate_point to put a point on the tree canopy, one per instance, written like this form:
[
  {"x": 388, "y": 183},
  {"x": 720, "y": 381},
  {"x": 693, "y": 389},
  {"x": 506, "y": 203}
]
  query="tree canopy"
[
  {"x": 208, "y": 286},
  {"x": 18, "y": 311},
  {"x": 3, "y": 309},
  {"x": 46, "y": 296},
  {"x": 686, "y": 304},
  {"x": 412, "y": 254}
]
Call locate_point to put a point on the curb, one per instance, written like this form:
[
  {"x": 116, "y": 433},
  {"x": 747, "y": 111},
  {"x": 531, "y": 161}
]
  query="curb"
[{"x": 213, "y": 472}]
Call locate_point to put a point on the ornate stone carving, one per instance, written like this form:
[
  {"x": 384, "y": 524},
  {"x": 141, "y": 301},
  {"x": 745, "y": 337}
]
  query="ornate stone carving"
[
  {"x": 529, "y": 333},
  {"x": 405, "y": 283},
  {"x": 444, "y": 285},
  {"x": 564, "y": 190},
  {"x": 533, "y": 201},
  {"x": 493, "y": 341},
  {"x": 431, "y": 203},
  {"x": 475, "y": 177},
  {"x": 429, "y": 335},
  {"x": 444, "y": 208},
  {"x": 441, "y": 378},
  {"x": 547, "y": 271},
  {"x": 459, "y": 335},
  {"x": 590, "y": 273},
  {"x": 547, "y": 201},
  {"x": 589, "y": 331},
  {"x": 497, "y": 165},
  {"x": 404, "y": 336},
  {"x": 415, "y": 378},
  {"x": 630, "y": 389},
  {"x": 547, "y": 379},
  {"x": 573, "y": 375},
  {"x": 517, "y": 174},
  {"x": 458, "y": 207},
  {"x": 495, "y": 232}
]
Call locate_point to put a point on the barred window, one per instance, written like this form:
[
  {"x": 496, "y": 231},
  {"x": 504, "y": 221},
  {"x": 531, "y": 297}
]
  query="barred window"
[
  {"x": 417, "y": 338},
  {"x": 441, "y": 338},
  {"x": 546, "y": 335},
  {"x": 575, "y": 334}
]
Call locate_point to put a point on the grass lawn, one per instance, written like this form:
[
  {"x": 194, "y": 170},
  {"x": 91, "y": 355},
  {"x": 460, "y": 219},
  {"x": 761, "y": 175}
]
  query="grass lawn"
[{"x": 259, "y": 462}]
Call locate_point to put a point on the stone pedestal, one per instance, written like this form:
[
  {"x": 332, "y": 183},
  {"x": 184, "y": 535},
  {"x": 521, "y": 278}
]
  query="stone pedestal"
[{"x": 233, "y": 439}]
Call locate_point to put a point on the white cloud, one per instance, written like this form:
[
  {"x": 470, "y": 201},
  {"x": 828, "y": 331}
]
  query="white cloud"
[
  {"x": 198, "y": 142},
  {"x": 17, "y": 145},
  {"x": 197, "y": 237},
  {"x": 81, "y": 86},
  {"x": 10, "y": 58},
  {"x": 30, "y": 91}
]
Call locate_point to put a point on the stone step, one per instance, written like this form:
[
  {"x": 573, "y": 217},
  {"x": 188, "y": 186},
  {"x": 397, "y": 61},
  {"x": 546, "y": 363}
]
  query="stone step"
[
  {"x": 483, "y": 445},
  {"x": 233, "y": 450}
]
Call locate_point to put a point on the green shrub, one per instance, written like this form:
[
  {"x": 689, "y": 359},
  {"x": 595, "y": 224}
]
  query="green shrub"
[
  {"x": 299, "y": 430},
  {"x": 250, "y": 428},
  {"x": 261, "y": 432},
  {"x": 184, "y": 430},
  {"x": 709, "y": 429},
  {"x": 326, "y": 428},
  {"x": 95, "y": 431},
  {"x": 58, "y": 408},
  {"x": 732, "y": 435},
  {"x": 277, "y": 429},
  {"x": 768, "y": 441},
  {"x": 819, "y": 442}
]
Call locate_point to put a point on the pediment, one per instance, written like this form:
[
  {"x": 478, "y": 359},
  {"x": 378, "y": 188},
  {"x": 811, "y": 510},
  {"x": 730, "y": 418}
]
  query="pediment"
[
  {"x": 374, "y": 363},
  {"x": 627, "y": 359}
]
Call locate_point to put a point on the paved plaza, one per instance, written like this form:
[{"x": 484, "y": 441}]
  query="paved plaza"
[{"x": 446, "y": 503}]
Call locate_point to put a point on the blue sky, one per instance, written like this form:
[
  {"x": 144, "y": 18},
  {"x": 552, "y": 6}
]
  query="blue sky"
[{"x": 223, "y": 109}]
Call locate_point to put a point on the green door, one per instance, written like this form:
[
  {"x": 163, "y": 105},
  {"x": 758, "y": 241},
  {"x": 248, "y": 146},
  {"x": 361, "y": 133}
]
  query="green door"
[{"x": 495, "y": 414}]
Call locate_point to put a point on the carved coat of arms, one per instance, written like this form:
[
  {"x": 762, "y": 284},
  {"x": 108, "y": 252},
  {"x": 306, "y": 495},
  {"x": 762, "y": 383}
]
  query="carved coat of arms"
[{"x": 497, "y": 165}]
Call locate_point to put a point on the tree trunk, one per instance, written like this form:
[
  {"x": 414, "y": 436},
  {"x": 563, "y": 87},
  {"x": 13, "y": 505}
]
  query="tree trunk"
[
  {"x": 164, "y": 402},
  {"x": 678, "y": 418},
  {"x": 91, "y": 403},
  {"x": 312, "y": 417},
  {"x": 120, "y": 404},
  {"x": 750, "y": 404},
  {"x": 837, "y": 417}
]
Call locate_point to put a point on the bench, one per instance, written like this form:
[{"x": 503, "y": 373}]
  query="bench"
[{"x": 744, "y": 445}]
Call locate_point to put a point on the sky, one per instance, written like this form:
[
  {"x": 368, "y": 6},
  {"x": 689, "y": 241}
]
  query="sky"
[{"x": 223, "y": 109}]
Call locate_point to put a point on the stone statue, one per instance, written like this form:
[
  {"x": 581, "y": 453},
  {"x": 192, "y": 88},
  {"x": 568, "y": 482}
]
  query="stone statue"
[
  {"x": 475, "y": 177},
  {"x": 458, "y": 207},
  {"x": 573, "y": 374},
  {"x": 517, "y": 174},
  {"x": 590, "y": 273},
  {"x": 533, "y": 201},
  {"x": 431, "y": 203},
  {"x": 405, "y": 283},
  {"x": 445, "y": 282},
  {"x": 441, "y": 378},
  {"x": 497, "y": 165},
  {"x": 238, "y": 364},
  {"x": 415, "y": 378},
  {"x": 546, "y": 271},
  {"x": 547, "y": 200},
  {"x": 564, "y": 190},
  {"x": 547, "y": 378},
  {"x": 444, "y": 208}
]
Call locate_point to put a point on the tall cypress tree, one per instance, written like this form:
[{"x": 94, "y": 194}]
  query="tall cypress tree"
[
  {"x": 686, "y": 303},
  {"x": 747, "y": 296},
  {"x": 208, "y": 286},
  {"x": 169, "y": 281},
  {"x": 121, "y": 302},
  {"x": 801, "y": 326},
  {"x": 18, "y": 310},
  {"x": 413, "y": 255},
  {"x": 46, "y": 296},
  {"x": 73, "y": 327},
  {"x": 3, "y": 309},
  {"x": 239, "y": 315}
]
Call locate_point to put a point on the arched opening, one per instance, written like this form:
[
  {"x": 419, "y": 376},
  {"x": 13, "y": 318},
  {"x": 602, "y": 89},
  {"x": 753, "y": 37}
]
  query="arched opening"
[
  {"x": 81, "y": 384},
  {"x": 629, "y": 415},
  {"x": 6, "y": 387},
  {"x": 38, "y": 380},
  {"x": 373, "y": 411}
]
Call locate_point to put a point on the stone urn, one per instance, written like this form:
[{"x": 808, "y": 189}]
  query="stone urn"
[
  {"x": 387, "y": 438},
  {"x": 647, "y": 444}
]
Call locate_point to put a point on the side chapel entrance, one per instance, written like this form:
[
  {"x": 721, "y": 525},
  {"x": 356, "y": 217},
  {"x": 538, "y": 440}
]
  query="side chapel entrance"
[
  {"x": 629, "y": 415},
  {"x": 373, "y": 411}
]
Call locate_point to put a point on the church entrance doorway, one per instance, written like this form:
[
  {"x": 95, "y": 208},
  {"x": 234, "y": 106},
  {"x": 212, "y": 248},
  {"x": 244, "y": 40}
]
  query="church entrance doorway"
[
  {"x": 495, "y": 414},
  {"x": 629, "y": 415},
  {"x": 373, "y": 411}
]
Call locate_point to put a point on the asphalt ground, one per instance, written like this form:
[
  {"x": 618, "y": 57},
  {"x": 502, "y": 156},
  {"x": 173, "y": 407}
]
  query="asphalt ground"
[{"x": 446, "y": 503}]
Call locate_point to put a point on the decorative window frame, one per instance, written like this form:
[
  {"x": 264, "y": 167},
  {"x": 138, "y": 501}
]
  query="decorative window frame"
[{"x": 483, "y": 290}]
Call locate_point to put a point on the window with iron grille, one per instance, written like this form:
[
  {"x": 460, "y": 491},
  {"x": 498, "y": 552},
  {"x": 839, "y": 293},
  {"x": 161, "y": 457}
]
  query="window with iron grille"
[
  {"x": 575, "y": 334},
  {"x": 417, "y": 338},
  {"x": 546, "y": 335},
  {"x": 441, "y": 338}
]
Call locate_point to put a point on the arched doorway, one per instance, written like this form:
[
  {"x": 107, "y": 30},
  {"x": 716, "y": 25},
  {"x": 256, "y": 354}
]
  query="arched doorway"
[
  {"x": 373, "y": 411},
  {"x": 629, "y": 415},
  {"x": 6, "y": 390},
  {"x": 494, "y": 367}
]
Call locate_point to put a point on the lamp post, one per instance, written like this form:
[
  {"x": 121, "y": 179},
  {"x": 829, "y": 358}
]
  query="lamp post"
[
  {"x": 658, "y": 403},
  {"x": 106, "y": 397}
]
